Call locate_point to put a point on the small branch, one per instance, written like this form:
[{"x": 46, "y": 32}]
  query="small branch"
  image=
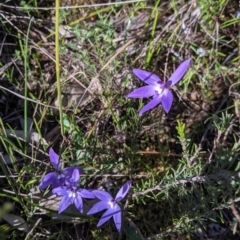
[
  {"x": 35, "y": 225},
  {"x": 222, "y": 175}
]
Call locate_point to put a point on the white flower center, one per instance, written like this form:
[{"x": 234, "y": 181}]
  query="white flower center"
[
  {"x": 72, "y": 194},
  {"x": 160, "y": 88},
  {"x": 112, "y": 203},
  {"x": 60, "y": 175}
]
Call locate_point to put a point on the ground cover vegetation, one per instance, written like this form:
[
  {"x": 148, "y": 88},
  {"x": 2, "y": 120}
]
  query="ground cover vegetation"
[{"x": 81, "y": 158}]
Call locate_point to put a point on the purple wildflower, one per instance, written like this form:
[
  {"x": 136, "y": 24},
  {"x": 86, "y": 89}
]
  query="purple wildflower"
[
  {"x": 70, "y": 193},
  {"x": 111, "y": 204},
  {"x": 157, "y": 88},
  {"x": 59, "y": 176}
]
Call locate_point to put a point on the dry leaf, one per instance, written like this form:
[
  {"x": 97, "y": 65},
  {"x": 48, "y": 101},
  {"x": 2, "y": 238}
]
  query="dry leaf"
[
  {"x": 50, "y": 203},
  {"x": 17, "y": 222}
]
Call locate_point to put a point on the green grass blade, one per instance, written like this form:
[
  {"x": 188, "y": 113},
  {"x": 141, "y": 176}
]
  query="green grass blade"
[{"x": 58, "y": 65}]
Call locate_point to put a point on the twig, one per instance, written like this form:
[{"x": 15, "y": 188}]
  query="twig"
[
  {"x": 221, "y": 175},
  {"x": 35, "y": 225}
]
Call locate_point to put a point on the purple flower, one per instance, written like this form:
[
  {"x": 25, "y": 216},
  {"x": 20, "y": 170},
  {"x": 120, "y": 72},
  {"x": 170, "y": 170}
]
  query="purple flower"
[
  {"x": 111, "y": 204},
  {"x": 157, "y": 88},
  {"x": 70, "y": 193},
  {"x": 59, "y": 176}
]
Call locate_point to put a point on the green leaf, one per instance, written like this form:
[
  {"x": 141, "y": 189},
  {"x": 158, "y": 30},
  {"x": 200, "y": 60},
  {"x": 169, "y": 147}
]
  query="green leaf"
[{"x": 132, "y": 232}]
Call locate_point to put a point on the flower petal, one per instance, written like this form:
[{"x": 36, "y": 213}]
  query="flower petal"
[
  {"x": 65, "y": 202},
  {"x": 147, "y": 77},
  {"x": 75, "y": 176},
  {"x": 72, "y": 175},
  {"x": 153, "y": 103},
  {"x": 106, "y": 216},
  {"x": 102, "y": 195},
  {"x": 98, "y": 207},
  {"x": 123, "y": 191},
  {"x": 54, "y": 158},
  {"x": 167, "y": 100},
  {"x": 48, "y": 180},
  {"x": 142, "y": 92},
  {"x": 79, "y": 203},
  {"x": 58, "y": 183},
  {"x": 60, "y": 191},
  {"x": 179, "y": 73},
  {"x": 117, "y": 217},
  {"x": 85, "y": 193},
  {"x": 69, "y": 170}
]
